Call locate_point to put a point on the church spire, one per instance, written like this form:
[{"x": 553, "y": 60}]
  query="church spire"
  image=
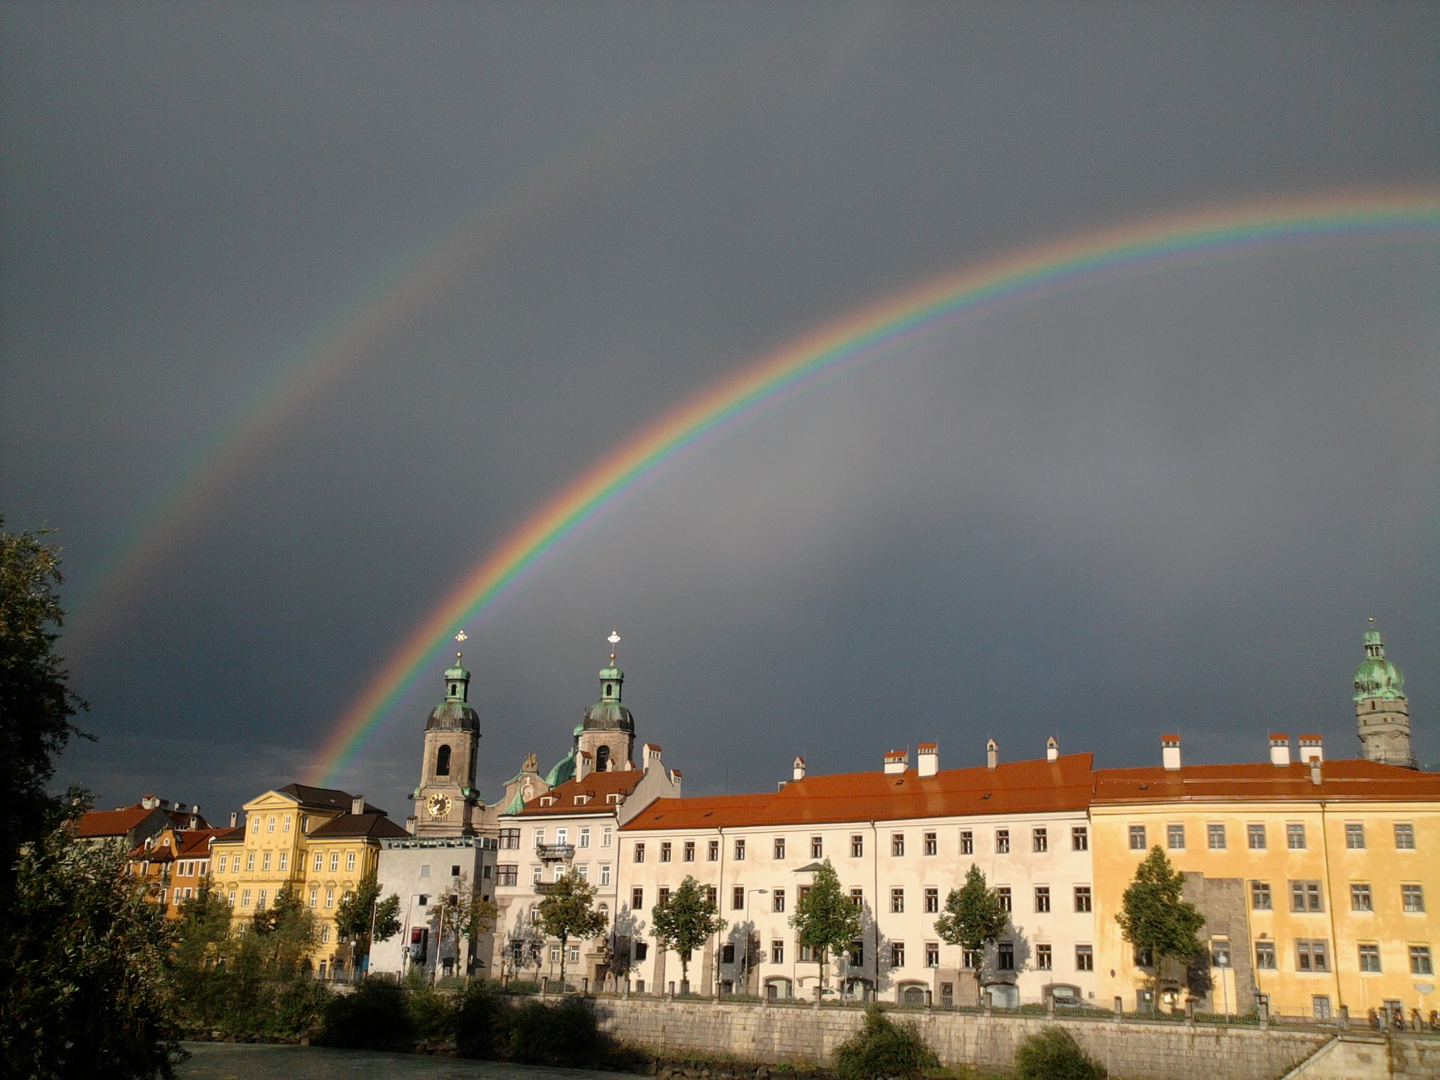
[{"x": 1382, "y": 714}]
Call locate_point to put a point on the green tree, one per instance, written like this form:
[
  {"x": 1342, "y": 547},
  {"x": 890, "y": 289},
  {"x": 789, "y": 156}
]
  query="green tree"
[
  {"x": 568, "y": 910},
  {"x": 1154, "y": 916},
  {"x": 1053, "y": 1054},
  {"x": 362, "y": 909},
  {"x": 284, "y": 933},
  {"x": 202, "y": 930},
  {"x": 683, "y": 921},
  {"x": 882, "y": 1048},
  {"x": 974, "y": 918},
  {"x": 462, "y": 913},
  {"x": 825, "y": 918},
  {"x": 36, "y": 705}
]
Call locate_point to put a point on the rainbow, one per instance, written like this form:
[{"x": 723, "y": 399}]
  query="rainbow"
[{"x": 835, "y": 347}]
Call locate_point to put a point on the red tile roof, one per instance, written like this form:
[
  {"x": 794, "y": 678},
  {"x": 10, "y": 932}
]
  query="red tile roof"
[
  {"x": 97, "y": 823},
  {"x": 1354, "y": 780},
  {"x": 598, "y": 785},
  {"x": 376, "y": 825},
  {"x": 1018, "y": 787}
]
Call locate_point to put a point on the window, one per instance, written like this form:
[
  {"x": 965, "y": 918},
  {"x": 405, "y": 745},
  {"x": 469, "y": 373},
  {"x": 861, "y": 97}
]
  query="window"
[
  {"x": 932, "y": 954},
  {"x": 1084, "y": 958},
  {"x": 1220, "y": 952},
  {"x": 1039, "y": 840},
  {"x": 1216, "y": 836},
  {"x": 425, "y": 870},
  {"x": 1360, "y": 896},
  {"x": 231, "y": 898},
  {"x": 640, "y": 852},
  {"x": 637, "y": 898},
  {"x": 537, "y": 872},
  {"x": 284, "y": 860},
  {"x": 1420, "y": 960},
  {"x": 349, "y": 860},
  {"x": 1002, "y": 893},
  {"x": 932, "y": 845},
  {"x": 1404, "y": 836},
  {"x": 334, "y": 861},
  {"x": 897, "y": 900},
  {"x": 605, "y": 873},
  {"x": 507, "y": 875},
  {"x": 1260, "y": 895},
  {"x": 259, "y": 900},
  {"x": 689, "y": 851},
  {"x": 857, "y": 846},
  {"x": 967, "y": 842},
  {"x": 255, "y": 825},
  {"x": 1044, "y": 961},
  {"x": 222, "y": 864},
  {"x": 740, "y": 849},
  {"x": 857, "y": 897},
  {"x": 642, "y": 950},
  {"x": 1042, "y": 898},
  {"x": 779, "y": 847},
  {"x": 737, "y": 898},
  {"x": 265, "y": 861},
  {"x": 897, "y": 954},
  {"x": 665, "y": 851},
  {"x": 1305, "y": 896},
  {"x": 1370, "y": 958},
  {"x": 777, "y": 900},
  {"x": 270, "y": 827},
  {"x": 970, "y": 959},
  {"x": 605, "y": 836},
  {"x": 1355, "y": 836},
  {"x": 1265, "y": 955},
  {"x": 1256, "y": 836},
  {"x": 807, "y": 953},
  {"x": 583, "y": 872},
  {"x": 1295, "y": 837},
  {"x": 584, "y": 838},
  {"x": 1412, "y": 897},
  {"x": 1311, "y": 955},
  {"x": 1143, "y": 957},
  {"x": 663, "y": 896},
  {"x": 510, "y": 839},
  {"x": 932, "y": 900},
  {"x": 897, "y": 844},
  {"x": 1002, "y": 841},
  {"x": 711, "y": 895},
  {"x": 1137, "y": 837},
  {"x": 1320, "y": 1006},
  {"x": 250, "y": 859},
  {"x": 1082, "y": 897},
  {"x": 857, "y": 954},
  {"x": 777, "y": 952},
  {"x": 817, "y": 847},
  {"x": 1175, "y": 837},
  {"x": 1005, "y": 956},
  {"x": 713, "y": 852},
  {"x": 1079, "y": 838},
  {"x": 245, "y": 894}
]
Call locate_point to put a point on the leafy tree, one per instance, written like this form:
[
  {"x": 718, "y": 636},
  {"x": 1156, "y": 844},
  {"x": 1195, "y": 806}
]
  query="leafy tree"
[
  {"x": 683, "y": 921},
  {"x": 825, "y": 918},
  {"x": 361, "y": 909},
  {"x": 36, "y": 706},
  {"x": 973, "y": 918},
  {"x": 568, "y": 910},
  {"x": 463, "y": 913},
  {"x": 525, "y": 946},
  {"x": 882, "y": 1048},
  {"x": 1053, "y": 1054},
  {"x": 1154, "y": 916},
  {"x": 203, "y": 928},
  {"x": 284, "y": 932}
]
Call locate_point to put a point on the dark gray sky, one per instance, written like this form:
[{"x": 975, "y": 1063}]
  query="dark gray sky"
[{"x": 1166, "y": 499}]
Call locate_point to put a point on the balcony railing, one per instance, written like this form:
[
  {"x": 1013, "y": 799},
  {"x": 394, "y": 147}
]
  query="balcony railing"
[
  {"x": 555, "y": 852},
  {"x": 544, "y": 888}
]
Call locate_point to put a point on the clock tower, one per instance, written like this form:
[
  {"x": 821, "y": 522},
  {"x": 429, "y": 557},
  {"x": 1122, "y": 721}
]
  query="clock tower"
[{"x": 446, "y": 802}]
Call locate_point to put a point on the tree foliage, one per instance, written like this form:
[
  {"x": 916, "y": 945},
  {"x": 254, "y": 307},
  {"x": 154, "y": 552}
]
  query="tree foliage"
[
  {"x": 568, "y": 910},
  {"x": 284, "y": 933},
  {"x": 825, "y": 918},
  {"x": 362, "y": 909},
  {"x": 882, "y": 1048},
  {"x": 974, "y": 918},
  {"x": 203, "y": 929},
  {"x": 461, "y": 913},
  {"x": 1154, "y": 916},
  {"x": 1053, "y": 1054},
  {"x": 683, "y": 921}
]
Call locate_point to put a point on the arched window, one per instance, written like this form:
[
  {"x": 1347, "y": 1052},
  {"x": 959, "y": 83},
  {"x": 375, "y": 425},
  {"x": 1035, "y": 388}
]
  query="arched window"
[
  {"x": 602, "y": 759},
  {"x": 442, "y": 761},
  {"x": 609, "y": 689}
]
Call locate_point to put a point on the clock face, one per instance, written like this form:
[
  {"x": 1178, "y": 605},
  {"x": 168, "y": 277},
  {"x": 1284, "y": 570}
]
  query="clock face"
[{"x": 439, "y": 805}]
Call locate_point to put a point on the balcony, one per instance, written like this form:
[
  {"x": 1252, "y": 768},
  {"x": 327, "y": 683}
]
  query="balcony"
[
  {"x": 555, "y": 852},
  {"x": 544, "y": 888}
]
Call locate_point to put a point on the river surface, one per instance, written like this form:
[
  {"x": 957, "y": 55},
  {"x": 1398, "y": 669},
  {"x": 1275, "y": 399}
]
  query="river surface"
[{"x": 262, "y": 1061}]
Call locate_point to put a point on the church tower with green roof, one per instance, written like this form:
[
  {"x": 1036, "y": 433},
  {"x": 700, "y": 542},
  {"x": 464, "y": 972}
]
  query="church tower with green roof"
[
  {"x": 1381, "y": 711},
  {"x": 446, "y": 801}
]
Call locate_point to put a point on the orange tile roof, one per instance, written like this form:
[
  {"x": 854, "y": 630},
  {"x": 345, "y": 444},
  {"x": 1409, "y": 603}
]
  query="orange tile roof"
[
  {"x": 1354, "y": 780},
  {"x": 598, "y": 785},
  {"x": 1018, "y": 787},
  {"x": 112, "y": 822}
]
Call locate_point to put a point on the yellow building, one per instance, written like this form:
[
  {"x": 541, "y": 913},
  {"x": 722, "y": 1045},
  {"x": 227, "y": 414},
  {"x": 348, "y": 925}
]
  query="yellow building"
[
  {"x": 319, "y": 841},
  {"x": 1317, "y": 878}
]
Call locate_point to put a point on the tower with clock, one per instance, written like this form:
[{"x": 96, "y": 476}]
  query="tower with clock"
[{"x": 446, "y": 802}]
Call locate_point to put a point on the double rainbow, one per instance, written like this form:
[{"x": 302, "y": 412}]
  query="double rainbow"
[{"x": 830, "y": 350}]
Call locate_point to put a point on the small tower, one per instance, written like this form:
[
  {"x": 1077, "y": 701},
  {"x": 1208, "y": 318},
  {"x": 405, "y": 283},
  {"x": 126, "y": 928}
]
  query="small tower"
[
  {"x": 608, "y": 730},
  {"x": 446, "y": 800},
  {"x": 1381, "y": 711}
]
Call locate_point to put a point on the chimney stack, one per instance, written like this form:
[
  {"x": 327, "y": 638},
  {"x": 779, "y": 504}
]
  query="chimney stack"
[
  {"x": 1315, "y": 776},
  {"x": 928, "y": 758},
  {"x": 1170, "y": 752},
  {"x": 1052, "y": 748},
  {"x": 1280, "y": 749},
  {"x": 234, "y": 819},
  {"x": 896, "y": 762},
  {"x": 650, "y": 753},
  {"x": 357, "y": 804},
  {"x": 799, "y": 768},
  {"x": 584, "y": 764},
  {"x": 1311, "y": 748},
  {"x": 992, "y": 753}
]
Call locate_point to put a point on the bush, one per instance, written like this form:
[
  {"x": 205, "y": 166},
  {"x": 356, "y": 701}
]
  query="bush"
[
  {"x": 374, "y": 1017},
  {"x": 882, "y": 1048},
  {"x": 564, "y": 1034},
  {"x": 432, "y": 1014},
  {"x": 481, "y": 1023},
  {"x": 1053, "y": 1054}
]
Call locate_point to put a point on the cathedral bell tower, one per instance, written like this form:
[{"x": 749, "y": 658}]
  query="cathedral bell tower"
[
  {"x": 608, "y": 730},
  {"x": 446, "y": 800},
  {"x": 1381, "y": 711}
]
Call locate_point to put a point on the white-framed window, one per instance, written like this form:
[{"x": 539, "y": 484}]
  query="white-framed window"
[
  {"x": 288, "y": 819},
  {"x": 605, "y": 834},
  {"x": 270, "y": 826},
  {"x": 1355, "y": 836},
  {"x": 1404, "y": 836},
  {"x": 1137, "y": 837},
  {"x": 1369, "y": 957},
  {"x": 1412, "y": 898},
  {"x": 314, "y": 897},
  {"x": 329, "y": 898},
  {"x": 265, "y": 861},
  {"x": 1215, "y": 834},
  {"x": 1295, "y": 836},
  {"x": 334, "y": 861},
  {"x": 1175, "y": 837},
  {"x": 250, "y": 860},
  {"x": 562, "y": 835},
  {"x": 585, "y": 837},
  {"x": 1256, "y": 836},
  {"x": 1360, "y": 898},
  {"x": 1079, "y": 838},
  {"x": 605, "y": 873},
  {"x": 319, "y": 861},
  {"x": 349, "y": 860},
  {"x": 1039, "y": 840}
]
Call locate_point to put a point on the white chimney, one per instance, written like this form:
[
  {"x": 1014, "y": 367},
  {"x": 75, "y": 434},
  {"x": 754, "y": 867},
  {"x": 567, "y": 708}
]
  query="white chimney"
[
  {"x": 1170, "y": 752},
  {"x": 234, "y": 819},
  {"x": 992, "y": 753},
  {"x": 1052, "y": 748},
  {"x": 584, "y": 764},
  {"x": 1315, "y": 776},
  {"x": 927, "y": 759},
  {"x": 650, "y": 754},
  {"x": 799, "y": 768},
  {"x": 357, "y": 804},
  {"x": 1311, "y": 748},
  {"x": 896, "y": 762},
  {"x": 1280, "y": 749}
]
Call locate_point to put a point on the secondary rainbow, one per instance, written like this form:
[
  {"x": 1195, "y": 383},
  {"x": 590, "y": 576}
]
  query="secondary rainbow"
[{"x": 836, "y": 347}]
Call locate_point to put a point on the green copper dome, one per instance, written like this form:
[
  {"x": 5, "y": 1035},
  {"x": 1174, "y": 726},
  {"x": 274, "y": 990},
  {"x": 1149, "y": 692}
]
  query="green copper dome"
[{"x": 1377, "y": 677}]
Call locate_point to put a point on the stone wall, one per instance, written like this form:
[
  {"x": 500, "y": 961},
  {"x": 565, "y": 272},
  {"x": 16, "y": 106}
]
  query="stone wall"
[{"x": 1132, "y": 1050}]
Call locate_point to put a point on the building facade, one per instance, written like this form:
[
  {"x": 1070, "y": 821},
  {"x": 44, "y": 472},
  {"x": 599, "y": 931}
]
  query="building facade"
[{"x": 430, "y": 875}]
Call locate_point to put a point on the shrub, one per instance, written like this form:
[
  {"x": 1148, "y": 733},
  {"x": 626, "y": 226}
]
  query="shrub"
[
  {"x": 564, "y": 1034},
  {"x": 481, "y": 1023},
  {"x": 882, "y": 1048},
  {"x": 1053, "y": 1054},
  {"x": 432, "y": 1014},
  {"x": 374, "y": 1017}
]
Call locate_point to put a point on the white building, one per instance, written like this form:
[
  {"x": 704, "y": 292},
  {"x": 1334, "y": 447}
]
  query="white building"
[{"x": 425, "y": 872}]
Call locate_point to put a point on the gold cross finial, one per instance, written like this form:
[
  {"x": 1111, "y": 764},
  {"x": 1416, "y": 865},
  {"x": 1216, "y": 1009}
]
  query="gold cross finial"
[
  {"x": 461, "y": 637},
  {"x": 614, "y": 640}
]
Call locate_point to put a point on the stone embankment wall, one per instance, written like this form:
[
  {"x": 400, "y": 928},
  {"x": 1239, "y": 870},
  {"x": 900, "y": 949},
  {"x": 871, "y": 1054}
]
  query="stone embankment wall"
[{"x": 1131, "y": 1049}]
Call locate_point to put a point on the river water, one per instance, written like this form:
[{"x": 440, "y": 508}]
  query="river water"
[{"x": 262, "y": 1061}]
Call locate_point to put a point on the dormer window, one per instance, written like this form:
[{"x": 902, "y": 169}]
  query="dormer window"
[
  {"x": 614, "y": 798},
  {"x": 548, "y": 800},
  {"x": 581, "y": 800}
]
